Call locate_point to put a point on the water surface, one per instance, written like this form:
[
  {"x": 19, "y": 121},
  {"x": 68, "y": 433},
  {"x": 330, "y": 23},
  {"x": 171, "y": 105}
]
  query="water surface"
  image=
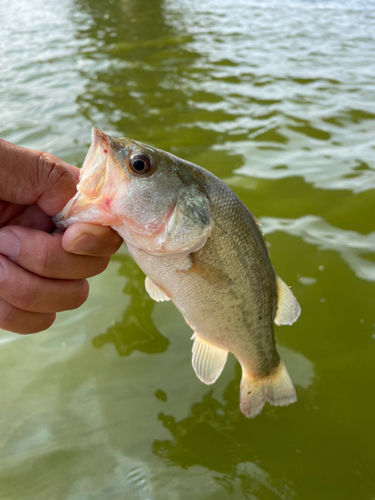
[{"x": 277, "y": 99}]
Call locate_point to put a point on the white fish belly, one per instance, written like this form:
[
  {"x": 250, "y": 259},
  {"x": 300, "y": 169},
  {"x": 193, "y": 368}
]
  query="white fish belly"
[{"x": 212, "y": 311}]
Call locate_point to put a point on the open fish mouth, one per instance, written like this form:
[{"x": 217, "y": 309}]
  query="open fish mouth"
[{"x": 100, "y": 179}]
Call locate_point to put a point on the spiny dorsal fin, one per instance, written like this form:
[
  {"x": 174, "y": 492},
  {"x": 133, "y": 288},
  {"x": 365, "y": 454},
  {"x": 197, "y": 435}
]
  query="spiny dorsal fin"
[
  {"x": 208, "y": 360},
  {"x": 288, "y": 308},
  {"x": 154, "y": 291}
]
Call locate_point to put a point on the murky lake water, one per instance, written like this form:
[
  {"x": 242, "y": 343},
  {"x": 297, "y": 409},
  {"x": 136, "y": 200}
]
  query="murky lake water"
[{"x": 276, "y": 98}]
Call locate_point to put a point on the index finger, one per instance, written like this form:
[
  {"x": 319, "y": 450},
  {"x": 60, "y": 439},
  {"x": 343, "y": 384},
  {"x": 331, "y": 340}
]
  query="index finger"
[{"x": 32, "y": 177}]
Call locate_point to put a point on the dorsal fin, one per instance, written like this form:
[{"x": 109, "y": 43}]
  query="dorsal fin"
[
  {"x": 154, "y": 291},
  {"x": 288, "y": 308},
  {"x": 208, "y": 360}
]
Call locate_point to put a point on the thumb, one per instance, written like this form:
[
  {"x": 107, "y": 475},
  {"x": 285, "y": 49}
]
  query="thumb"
[{"x": 32, "y": 177}]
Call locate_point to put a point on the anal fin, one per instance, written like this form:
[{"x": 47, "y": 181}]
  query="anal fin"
[
  {"x": 208, "y": 361},
  {"x": 154, "y": 291}
]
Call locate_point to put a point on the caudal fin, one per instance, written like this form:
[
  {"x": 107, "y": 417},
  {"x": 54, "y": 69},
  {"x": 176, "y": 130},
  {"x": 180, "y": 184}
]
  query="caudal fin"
[{"x": 276, "y": 388}]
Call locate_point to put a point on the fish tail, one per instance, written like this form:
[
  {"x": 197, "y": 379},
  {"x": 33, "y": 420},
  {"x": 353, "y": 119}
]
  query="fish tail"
[{"x": 277, "y": 388}]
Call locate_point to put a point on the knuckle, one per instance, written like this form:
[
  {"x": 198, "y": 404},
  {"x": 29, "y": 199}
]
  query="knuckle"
[
  {"x": 44, "y": 172},
  {"x": 43, "y": 261},
  {"x": 26, "y": 295},
  {"x": 53, "y": 171}
]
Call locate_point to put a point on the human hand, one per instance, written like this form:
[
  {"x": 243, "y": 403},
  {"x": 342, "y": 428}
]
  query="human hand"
[{"x": 43, "y": 270}]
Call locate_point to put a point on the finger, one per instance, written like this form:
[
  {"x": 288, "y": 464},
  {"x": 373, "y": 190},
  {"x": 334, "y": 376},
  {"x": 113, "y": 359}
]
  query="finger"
[
  {"x": 8, "y": 211},
  {"x": 32, "y": 216},
  {"x": 91, "y": 239},
  {"x": 30, "y": 292},
  {"x": 53, "y": 159},
  {"x": 42, "y": 254},
  {"x": 15, "y": 320},
  {"x": 32, "y": 177}
]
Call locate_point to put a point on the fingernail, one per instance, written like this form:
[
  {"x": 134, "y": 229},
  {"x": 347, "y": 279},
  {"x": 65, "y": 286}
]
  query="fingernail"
[
  {"x": 84, "y": 243},
  {"x": 9, "y": 244}
]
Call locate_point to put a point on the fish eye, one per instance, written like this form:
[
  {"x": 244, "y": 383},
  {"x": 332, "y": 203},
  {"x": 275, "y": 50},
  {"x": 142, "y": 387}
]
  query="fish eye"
[{"x": 140, "y": 163}]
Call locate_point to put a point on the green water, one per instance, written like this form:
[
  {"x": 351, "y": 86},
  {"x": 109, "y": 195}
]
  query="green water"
[{"x": 277, "y": 99}]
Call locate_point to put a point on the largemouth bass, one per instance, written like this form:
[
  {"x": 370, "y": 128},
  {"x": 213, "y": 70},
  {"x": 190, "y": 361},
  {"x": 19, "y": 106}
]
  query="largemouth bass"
[{"x": 200, "y": 247}]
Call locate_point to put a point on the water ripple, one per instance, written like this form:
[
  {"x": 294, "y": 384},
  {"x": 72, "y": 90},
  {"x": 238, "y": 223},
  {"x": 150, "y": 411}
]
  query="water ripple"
[
  {"x": 307, "y": 77},
  {"x": 350, "y": 245}
]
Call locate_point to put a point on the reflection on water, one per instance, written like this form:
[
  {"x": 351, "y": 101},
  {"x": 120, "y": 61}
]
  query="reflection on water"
[
  {"x": 134, "y": 51},
  {"x": 217, "y": 437},
  {"x": 136, "y": 331},
  {"x": 277, "y": 99},
  {"x": 211, "y": 438}
]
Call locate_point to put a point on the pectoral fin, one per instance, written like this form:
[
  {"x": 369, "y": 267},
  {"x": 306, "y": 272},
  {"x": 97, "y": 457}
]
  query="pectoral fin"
[
  {"x": 208, "y": 360},
  {"x": 206, "y": 272},
  {"x": 154, "y": 291},
  {"x": 288, "y": 308}
]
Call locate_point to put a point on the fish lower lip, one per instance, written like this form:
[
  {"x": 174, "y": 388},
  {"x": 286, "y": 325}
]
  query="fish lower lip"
[
  {"x": 82, "y": 209},
  {"x": 57, "y": 219}
]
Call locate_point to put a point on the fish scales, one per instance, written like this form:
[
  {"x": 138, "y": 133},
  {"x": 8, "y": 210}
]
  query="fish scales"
[
  {"x": 238, "y": 249},
  {"x": 200, "y": 247}
]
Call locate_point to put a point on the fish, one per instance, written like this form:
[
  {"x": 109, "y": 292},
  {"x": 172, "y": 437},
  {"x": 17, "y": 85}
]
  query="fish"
[{"x": 200, "y": 247}]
